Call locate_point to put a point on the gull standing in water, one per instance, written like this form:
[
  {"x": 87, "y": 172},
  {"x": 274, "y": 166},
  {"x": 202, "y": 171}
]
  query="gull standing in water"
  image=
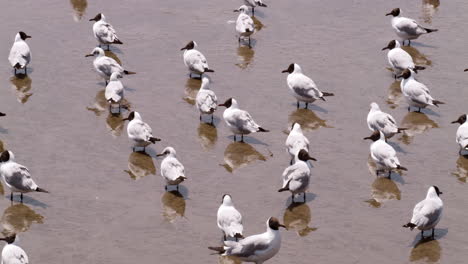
[
  {"x": 206, "y": 99},
  {"x": 114, "y": 91},
  {"x": 462, "y": 133},
  {"x": 195, "y": 60},
  {"x": 416, "y": 93},
  {"x": 253, "y": 4},
  {"x": 229, "y": 219},
  {"x": 12, "y": 253},
  {"x": 384, "y": 155},
  {"x": 20, "y": 54},
  {"x": 428, "y": 212},
  {"x": 303, "y": 88},
  {"x": 381, "y": 121},
  {"x": 171, "y": 169},
  {"x": 139, "y": 132},
  {"x": 104, "y": 65},
  {"x": 244, "y": 24},
  {"x": 407, "y": 28},
  {"x": 257, "y": 248},
  {"x": 239, "y": 121},
  {"x": 296, "y": 177},
  {"x": 399, "y": 59},
  {"x": 104, "y": 32},
  {"x": 16, "y": 176},
  {"x": 296, "y": 141}
]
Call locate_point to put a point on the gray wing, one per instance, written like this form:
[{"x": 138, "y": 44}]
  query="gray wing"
[
  {"x": 106, "y": 33},
  {"x": 410, "y": 27},
  {"x": 243, "y": 121},
  {"x": 141, "y": 131},
  {"x": 108, "y": 65},
  {"x": 20, "y": 178},
  {"x": 248, "y": 246}
]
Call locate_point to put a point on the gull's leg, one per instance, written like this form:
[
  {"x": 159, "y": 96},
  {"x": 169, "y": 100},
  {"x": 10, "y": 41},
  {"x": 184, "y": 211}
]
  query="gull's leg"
[
  {"x": 242, "y": 138},
  {"x": 307, "y": 106},
  {"x": 165, "y": 187},
  {"x": 21, "y": 197},
  {"x": 422, "y": 234},
  {"x": 177, "y": 187},
  {"x": 297, "y": 105},
  {"x": 11, "y": 196},
  {"x": 234, "y": 137},
  {"x": 304, "y": 197},
  {"x": 292, "y": 197},
  {"x": 200, "y": 117},
  {"x": 432, "y": 233},
  {"x": 212, "y": 119}
]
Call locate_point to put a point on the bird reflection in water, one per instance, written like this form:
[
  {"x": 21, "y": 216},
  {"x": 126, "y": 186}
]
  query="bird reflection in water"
[
  {"x": 383, "y": 189},
  {"x": 462, "y": 168},
  {"x": 429, "y": 7},
  {"x": 257, "y": 24},
  {"x": 239, "y": 154},
  {"x": 244, "y": 55},
  {"x": 191, "y": 90},
  {"x": 208, "y": 135},
  {"x": 115, "y": 124},
  {"x": 100, "y": 104},
  {"x": 173, "y": 205},
  {"x": 111, "y": 54},
  {"x": 395, "y": 97},
  {"x": 427, "y": 250},
  {"x": 418, "y": 58},
  {"x": 228, "y": 260},
  {"x": 79, "y": 6},
  {"x": 416, "y": 123},
  {"x": 21, "y": 84},
  {"x": 140, "y": 165},
  {"x": 18, "y": 218},
  {"x": 297, "y": 216},
  {"x": 307, "y": 119}
]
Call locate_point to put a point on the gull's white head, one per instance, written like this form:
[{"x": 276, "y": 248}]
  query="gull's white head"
[
  {"x": 96, "y": 52},
  {"x": 205, "y": 83},
  {"x": 433, "y": 192},
  {"x": 21, "y": 36},
  {"x": 227, "y": 200},
  {"x": 374, "y": 106},
  {"x": 231, "y": 102},
  {"x": 98, "y": 17},
  {"x": 168, "y": 151},
  {"x": 6, "y": 156},
  {"x": 243, "y": 9},
  {"x": 293, "y": 68},
  {"x": 191, "y": 45},
  {"x": 115, "y": 75}
]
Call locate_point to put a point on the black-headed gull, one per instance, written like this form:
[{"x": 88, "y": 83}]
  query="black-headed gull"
[
  {"x": 104, "y": 65},
  {"x": 171, "y": 169},
  {"x": 296, "y": 177},
  {"x": 462, "y": 133},
  {"x": 296, "y": 141},
  {"x": 239, "y": 121},
  {"x": 104, "y": 32},
  {"x": 20, "y": 54},
  {"x": 253, "y": 4},
  {"x": 12, "y": 253},
  {"x": 195, "y": 60},
  {"x": 139, "y": 132},
  {"x": 114, "y": 91},
  {"x": 244, "y": 25},
  {"x": 428, "y": 212},
  {"x": 206, "y": 99},
  {"x": 416, "y": 93},
  {"x": 399, "y": 59},
  {"x": 229, "y": 219},
  {"x": 381, "y": 121},
  {"x": 407, "y": 28}
]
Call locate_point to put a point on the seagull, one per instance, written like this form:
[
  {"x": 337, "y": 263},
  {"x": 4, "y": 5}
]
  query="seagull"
[
  {"x": 427, "y": 213},
  {"x": 244, "y": 24},
  {"x": 229, "y": 219},
  {"x": 195, "y": 60},
  {"x": 254, "y": 3},
  {"x": 104, "y": 32},
  {"x": 399, "y": 59},
  {"x": 257, "y": 248},
  {"x": 302, "y": 87},
  {"x": 16, "y": 176},
  {"x": 407, "y": 28},
  {"x": 206, "y": 99},
  {"x": 105, "y": 66},
  {"x": 239, "y": 121},
  {"x": 384, "y": 155},
  {"x": 381, "y": 121},
  {"x": 20, "y": 54},
  {"x": 12, "y": 253},
  {"x": 171, "y": 169},
  {"x": 297, "y": 176},
  {"x": 296, "y": 141},
  {"x": 462, "y": 133},
  {"x": 416, "y": 93},
  {"x": 138, "y": 131},
  {"x": 114, "y": 90}
]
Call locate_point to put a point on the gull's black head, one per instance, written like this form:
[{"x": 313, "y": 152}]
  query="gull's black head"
[
  {"x": 5, "y": 156},
  {"x": 437, "y": 190},
  {"x": 23, "y": 35},
  {"x": 96, "y": 18},
  {"x": 374, "y": 137},
  {"x": 227, "y": 104},
  {"x": 274, "y": 223},
  {"x": 460, "y": 120},
  {"x": 304, "y": 155},
  {"x": 391, "y": 45},
  {"x": 130, "y": 117},
  {"x": 9, "y": 239},
  {"x": 189, "y": 46},
  {"x": 406, "y": 74},
  {"x": 290, "y": 69},
  {"x": 395, "y": 12}
]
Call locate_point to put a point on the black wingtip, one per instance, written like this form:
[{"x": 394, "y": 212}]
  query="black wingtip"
[
  {"x": 154, "y": 140},
  {"x": 284, "y": 189},
  {"x": 129, "y": 72},
  {"x": 220, "y": 250},
  {"x": 237, "y": 235},
  {"x": 209, "y": 70},
  {"x": 399, "y": 167},
  {"x": 17, "y": 66},
  {"x": 328, "y": 94},
  {"x": 410, "y": 226},
  {"x": 117, "y": 41},
  {"x": 261, "y": 129},
  {"x": 430, "y": 30},
  {"x": 437, "y": 102},
  {"x": 41, "y": 190}
]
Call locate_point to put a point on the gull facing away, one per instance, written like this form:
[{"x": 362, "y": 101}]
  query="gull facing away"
[
  {"x": 206, "y": 99},
  {"x": 20, "y": 54},
  {"x": 253, "y": 4},
  {"x": 399, "y": 59},
  {"x": 407, "y": 28},
  {"x": 244, "y": 24},
  {"x": 229, "y": 219},
  {"x": 416, "y": 93},
  {"x": 114, "y": 91},
  {"x": 296, "y": 141},
  {"x": 139, "y": 132},
  {"x": 302, "y": 87},
  {"x": 257, "y": 248},
  {"x": 105, "y": 66},
  {"x": 239, "y": 121},
  {"x": 104, "y": 32},
  {"x": 384, "y": 155},
  {"x": 428, "y": 212},
  {"x": 195, "y": 60},
  {"x": 16, "y": 176},
  {"x": 462, "y": 133},
  {"x": 381, "y": 121},
  {"x": 12, "y": 253},
  {"x": 296, "y": 177},
  {"x": 171, "y": 169}
]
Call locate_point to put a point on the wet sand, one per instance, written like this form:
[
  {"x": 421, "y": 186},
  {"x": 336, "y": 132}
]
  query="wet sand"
[{"x": 108, "y": 205}]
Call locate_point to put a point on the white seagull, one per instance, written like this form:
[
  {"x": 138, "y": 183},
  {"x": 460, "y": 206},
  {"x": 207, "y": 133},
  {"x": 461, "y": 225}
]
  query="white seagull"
[
  {"x": 384, "y": 155},
  {"x": 257, "y": 248},
  {"x": 253, "y": 4},
  {"x": 195, "y": 60},
  {"x": 206, "y": 99},
  {"x": 104, "y": 32},
  {"x": 229, "y": 219},
  {"x": 16, "y": 176},
  {"x": 296, "y": 141},
  {"x": 114, "y": 90},
  {"x": 296, "y": 177},
  {"x": 12, "y": 253},
  {"x": 302, "y": 87},
  {"x": 171, "y": 169},
  {"x": 239, "y": 121},
  {"x": 416, "y": 93},
  {"x": 139, "y": 132},
  {"x": 462, "y": 133},
  {"x": 381, "y": 121},
  {"x": 244, "y": 24},
  {"x": 428, "y": 212},
  {"x": 104, "y": 65},
  {"x": 20, "y": 54},
  {"x": 407, "y": 28},
  {"x": 399, "y": 59}
]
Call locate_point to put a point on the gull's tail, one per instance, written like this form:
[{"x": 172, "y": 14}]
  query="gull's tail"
[
  {"x": 285, "y": 188},
  {"x": 399, "y": 167},
  {"x": 238, "y": 236},
  {"x": 262, "y": 5},
  {"x": 437, "y": 102},
  {"x": 208, "y": 70},
  {"x": 129, "y": 72},
  {"x": 41, "y": 190},
  {"x": 153, "y": 139},
  {"x": 261, "y": 129},
  {"x": 219, "y": 250},
  {"x": 326, "y": 94},
  {"x": 428, "y": 30},
  {"x": 418, "y": 68},
  {"x": 117, "y": 41},
  {"x": 410, "y": 225},
  {"x": 401, "y": 129},
  {"x": 17, "y": 66}
]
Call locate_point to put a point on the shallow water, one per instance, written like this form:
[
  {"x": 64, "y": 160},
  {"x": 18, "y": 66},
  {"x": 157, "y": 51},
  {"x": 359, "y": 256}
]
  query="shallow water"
[{"x": 109, "y": 205}]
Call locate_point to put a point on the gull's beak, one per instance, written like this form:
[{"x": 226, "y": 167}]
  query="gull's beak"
[
  {"x": 385, "y": 48},
  {"x": 367, "y": 138},
  {"x": 27, "y": 36},
  {"x": 441, "y": 192},
  {"x": 453, "y": 122},
  {"x": 466, "y": 70},
  {"x": 235, "y": 10},
  {"x": 89, "y": 55},
  {"x": 183, "y": 48},
  {"x": 400, "y": 76},
  {"x": 221, "y": 105},
  {"x": 125, "y": 119},
  {"x": 389, "y": 14},
  {"x": 283, "y": 226},
  {"x": 159, "y": 155},
  {"x": 284, "y": 71},
  {"x": 311, "y": 158},
  {"x": 92, "y": 19}
]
